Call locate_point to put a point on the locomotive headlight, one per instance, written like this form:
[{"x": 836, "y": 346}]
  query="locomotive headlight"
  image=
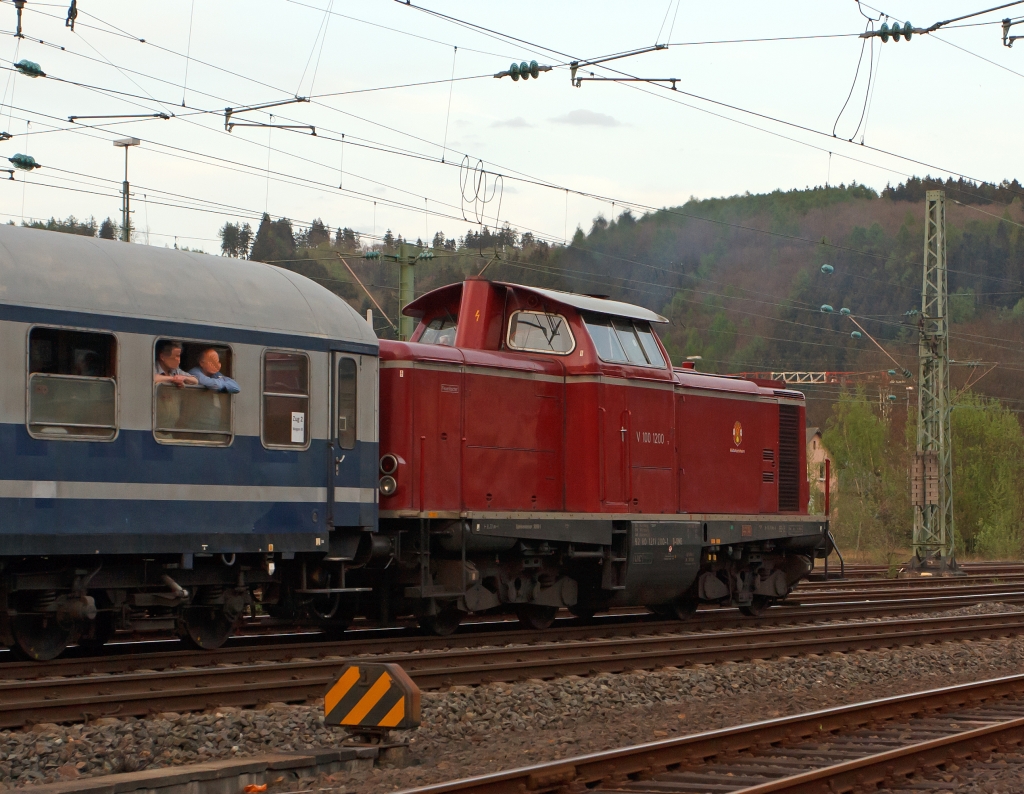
[
  {"x": 387, "y": 485},
  {"x": 388, "y": 464}
]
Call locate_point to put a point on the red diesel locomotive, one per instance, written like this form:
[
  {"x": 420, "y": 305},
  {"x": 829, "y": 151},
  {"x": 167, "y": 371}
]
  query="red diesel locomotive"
[{"x": 539, "y": 451}]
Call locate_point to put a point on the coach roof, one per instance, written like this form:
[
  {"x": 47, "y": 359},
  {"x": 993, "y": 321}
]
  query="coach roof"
[{"x": 84, "y": 274}]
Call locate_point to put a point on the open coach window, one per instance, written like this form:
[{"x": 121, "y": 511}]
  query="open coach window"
[
  {"x": 285, "y": 400},
  {"x": 620, "y": 340},
  {"x": 72, "y": 384},
  {"x": 540, "y": 332},
  {"x": 193, "y": 413}
]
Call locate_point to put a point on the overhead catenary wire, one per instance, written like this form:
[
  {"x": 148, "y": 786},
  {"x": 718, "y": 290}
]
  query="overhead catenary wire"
[{"x": 641, "y": 207}]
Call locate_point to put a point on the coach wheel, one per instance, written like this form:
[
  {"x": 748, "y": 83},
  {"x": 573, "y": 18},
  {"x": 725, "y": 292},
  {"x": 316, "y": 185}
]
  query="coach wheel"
[
  {"x": 586, "y": 613},
  {"x": 759, "y": 604},
  {"x": 38, "y": 637},
  {"x": 663, "y": 611},
  {"x": 537, "y": 617},
  {"x": 102, "y": 632},
  {"x": 207, "y": 626},
  {"x": 445, "y": 622}
]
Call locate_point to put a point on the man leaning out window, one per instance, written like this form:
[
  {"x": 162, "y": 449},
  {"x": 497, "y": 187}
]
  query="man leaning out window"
[{"x": 209, "y": 375}]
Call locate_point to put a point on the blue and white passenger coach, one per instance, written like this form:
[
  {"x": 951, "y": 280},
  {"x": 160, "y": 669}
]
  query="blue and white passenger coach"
[{"x": 131, "y": 503}]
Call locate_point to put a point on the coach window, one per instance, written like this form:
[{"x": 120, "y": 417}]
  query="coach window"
[
  {"x": 72, "y": 384},
  {"x": 540, "y": 332},
  {"x": 285, "y": 400},
  {"x": 195, "y": 414}
]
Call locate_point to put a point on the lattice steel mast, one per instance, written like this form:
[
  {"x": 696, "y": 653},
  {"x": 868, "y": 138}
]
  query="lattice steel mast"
[{"x": 932, "y": 476}]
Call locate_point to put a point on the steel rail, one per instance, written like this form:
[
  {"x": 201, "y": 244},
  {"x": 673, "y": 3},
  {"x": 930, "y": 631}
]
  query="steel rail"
[
  {"x": 186, "y": 689},
  {"x": 378, "y": 641},
  {"x": 870, "y": 584},
  {"x": 662, "y": 763},
  {"x": 903, "y": 762},
  {"x": 831, "y": 596}
]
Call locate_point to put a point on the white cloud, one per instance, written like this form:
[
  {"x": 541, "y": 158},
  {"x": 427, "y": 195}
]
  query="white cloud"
[
  {"x": 588, "y": 118},
  {"x": 518, "y": 123}
]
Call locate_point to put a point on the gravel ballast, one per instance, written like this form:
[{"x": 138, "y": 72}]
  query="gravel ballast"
[{"x": 477, "y": 730}]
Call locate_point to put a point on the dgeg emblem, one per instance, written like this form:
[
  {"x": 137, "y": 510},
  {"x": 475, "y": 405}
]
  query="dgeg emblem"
[{"x": 737, "y": 434}]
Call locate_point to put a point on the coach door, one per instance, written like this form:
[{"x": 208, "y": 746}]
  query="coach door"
[{"x": 344, "y": 474}]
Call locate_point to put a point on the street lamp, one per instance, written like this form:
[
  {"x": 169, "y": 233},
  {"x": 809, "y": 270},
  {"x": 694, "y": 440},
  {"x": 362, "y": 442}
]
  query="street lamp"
[{"x": 125, "y": 222}]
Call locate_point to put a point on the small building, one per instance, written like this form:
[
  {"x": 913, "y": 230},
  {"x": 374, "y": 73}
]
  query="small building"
[{"x": 816, "y": 456}]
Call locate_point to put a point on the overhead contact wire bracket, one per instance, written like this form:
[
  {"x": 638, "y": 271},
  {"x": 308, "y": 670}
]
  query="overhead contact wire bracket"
[
  {"x": 575, "y": 66},
  {"x": 230, "y": 113}
]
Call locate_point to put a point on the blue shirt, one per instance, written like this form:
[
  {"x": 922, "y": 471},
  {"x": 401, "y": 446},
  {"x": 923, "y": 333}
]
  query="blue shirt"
[{"x": 216, "y": 382}]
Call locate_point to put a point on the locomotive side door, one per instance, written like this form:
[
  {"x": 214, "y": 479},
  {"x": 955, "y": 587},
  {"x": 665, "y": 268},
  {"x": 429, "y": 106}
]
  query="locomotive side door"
[
  {"x": 614, "y": 427},
  {"x": 349, "y": 471}
]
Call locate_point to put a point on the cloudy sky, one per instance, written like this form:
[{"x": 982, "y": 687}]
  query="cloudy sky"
[{"x": 747, "y": 116}]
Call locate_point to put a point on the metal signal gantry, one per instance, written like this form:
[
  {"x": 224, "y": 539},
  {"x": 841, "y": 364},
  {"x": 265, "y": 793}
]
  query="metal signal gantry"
[
  {"x": 406, "y": 282},
  {"x": 932, "y": 476}
]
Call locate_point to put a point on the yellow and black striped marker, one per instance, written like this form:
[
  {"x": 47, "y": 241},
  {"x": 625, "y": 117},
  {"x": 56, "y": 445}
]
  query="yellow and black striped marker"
[{"x": 373, "y": 696}]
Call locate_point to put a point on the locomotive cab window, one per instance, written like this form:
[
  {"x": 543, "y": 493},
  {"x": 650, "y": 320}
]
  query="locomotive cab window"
[
  {"x": 439, "y": 331},
  {"x": 540, "y": 332},
  {"x": 72, "y": 385},
  {"x": 620, "y": 340},
  {"x": 193, "y": 391},
  {"x": 285, "y": 400}
]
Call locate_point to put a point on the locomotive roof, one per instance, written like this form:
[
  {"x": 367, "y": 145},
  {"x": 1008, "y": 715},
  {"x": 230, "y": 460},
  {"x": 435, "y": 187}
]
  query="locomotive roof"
[
  {"x": 588, "y": 303},
  {"x": 107, "y": 277},
  {"x": 585, "y": 303}
]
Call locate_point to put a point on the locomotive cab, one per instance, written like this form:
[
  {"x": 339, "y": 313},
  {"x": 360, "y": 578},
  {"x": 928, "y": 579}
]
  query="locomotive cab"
[{"x": 548, "y": 455}]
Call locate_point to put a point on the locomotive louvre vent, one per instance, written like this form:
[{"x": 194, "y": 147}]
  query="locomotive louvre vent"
[
  {"x": 767, "y": 476},
  {"x": 789, "y": 458},
  {"x": 768, "y": 454}
]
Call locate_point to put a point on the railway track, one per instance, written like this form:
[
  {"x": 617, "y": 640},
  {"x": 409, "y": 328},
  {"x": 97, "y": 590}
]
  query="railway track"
[
  {"x": 893, "y": 743},
  {"x": 188, "y": 688},
  {"x": 268, "y": 634},
  {"x": 248, "y": 650}
]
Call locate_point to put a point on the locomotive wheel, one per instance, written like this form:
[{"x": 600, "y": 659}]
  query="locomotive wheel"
[
  {"x": 584, "y": 613},
  {"x": 663, "y": 611},
  {"x": 684, "y": 608},
  {"x": 445, "y": 622},
  {"x": 536, "y": 617},
  {"x": 334, "y": 628},
  {"x": 207, "y": 626},
  {"x": 759, "y": 604}
]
